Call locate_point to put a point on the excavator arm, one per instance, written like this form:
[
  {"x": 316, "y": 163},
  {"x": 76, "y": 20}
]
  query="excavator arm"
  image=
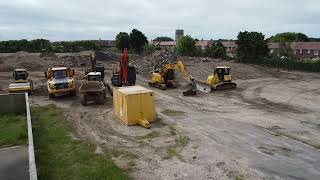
[{"x": 183, "y": 69}]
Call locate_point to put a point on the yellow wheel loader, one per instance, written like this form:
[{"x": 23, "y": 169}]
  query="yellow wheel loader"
[
  {"x": 221, "y": 79},
  {"x": 60, "y": 81},
  {"x": 22, "y": 83}
]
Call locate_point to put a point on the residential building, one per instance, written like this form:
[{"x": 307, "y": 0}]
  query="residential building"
[{"x": 300, "y": 49}]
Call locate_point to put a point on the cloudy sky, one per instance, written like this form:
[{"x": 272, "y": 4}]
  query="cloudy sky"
[{"x": 94, "y": 19}]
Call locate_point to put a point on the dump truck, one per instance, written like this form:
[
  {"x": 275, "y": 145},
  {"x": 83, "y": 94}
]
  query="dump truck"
[
  {"x": 22, "y": 83},
  {"x": 60, "y": 81},
  {"x": 94, "y": 89}
]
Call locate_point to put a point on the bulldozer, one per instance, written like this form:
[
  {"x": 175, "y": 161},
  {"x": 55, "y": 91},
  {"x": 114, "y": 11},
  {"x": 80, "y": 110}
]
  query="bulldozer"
[
  {"x": 163, "y": 77},
  {"x": 94, "y": 89},
  {"x": 221, "y": 79},
  {"x": 22, "y": 83},
  {"x": 60, "y": 81}
]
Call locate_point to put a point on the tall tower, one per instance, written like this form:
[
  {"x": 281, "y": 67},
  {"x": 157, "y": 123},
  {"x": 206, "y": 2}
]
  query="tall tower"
[{"x": 179, "y": 34}]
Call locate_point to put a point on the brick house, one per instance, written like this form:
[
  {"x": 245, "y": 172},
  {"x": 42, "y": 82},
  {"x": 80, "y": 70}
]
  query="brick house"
[
  {"x": 230, "y": 46},
  {"x": 300, "y": 49},
  {"x": 204, "y": 44}
]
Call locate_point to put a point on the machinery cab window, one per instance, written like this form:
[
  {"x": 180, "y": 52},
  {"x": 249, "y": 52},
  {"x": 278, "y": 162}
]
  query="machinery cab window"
[
  {"x": 58, "y": 74},
  {"x": 94, "y": 78},
  {"x": 21, "y": 75}
]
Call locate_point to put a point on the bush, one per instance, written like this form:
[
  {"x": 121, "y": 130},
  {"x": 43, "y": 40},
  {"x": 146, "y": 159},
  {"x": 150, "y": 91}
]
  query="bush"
[
  {"x": 186, "y": 46},
  {"x": 290, "y": 64},
  {"x": 149, "y": 48},
  {"x": 216, "y": 51}
]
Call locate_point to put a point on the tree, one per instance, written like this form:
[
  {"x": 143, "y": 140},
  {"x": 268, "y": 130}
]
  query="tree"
[
  {"x": 163, "y": 38},
  {"x": 216, "y": 50},
  {"x": 122, "y": 41},
  {"x": 251, "y": 46},
  {"x": 288, "y": 37},
  {"x": 284, "y": 50},
  {"x": 137, "y": 40},
  {"x": 186, "y": 46}
]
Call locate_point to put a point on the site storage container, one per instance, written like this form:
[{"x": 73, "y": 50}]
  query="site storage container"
[{"x": 134, "y": 105}]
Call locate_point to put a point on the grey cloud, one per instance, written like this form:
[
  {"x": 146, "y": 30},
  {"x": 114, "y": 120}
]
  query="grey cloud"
[{"x": 82, "y": 19}]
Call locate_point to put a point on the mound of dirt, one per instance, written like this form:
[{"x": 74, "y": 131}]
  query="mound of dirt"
[
  {"x": 48, "y": 54},
  {"x": 5, "y": 68},
  {"x": 107, "y": 56},
  {"x": 30, "y": 66},
  {"x": 145, "y": 64}
]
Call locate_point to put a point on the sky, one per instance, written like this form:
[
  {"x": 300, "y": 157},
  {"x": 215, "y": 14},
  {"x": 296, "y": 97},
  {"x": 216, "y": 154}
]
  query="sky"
[{"x": 203, "y": 19}]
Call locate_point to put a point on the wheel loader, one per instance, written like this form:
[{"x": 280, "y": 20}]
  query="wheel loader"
[
  {"x": 94, "y": 89},
  {"x": 60, "y": 81},
  {"x": 22, "y": 83},
  {"x": 221, "y": 79},
  {"x": 163, "y": 77}
]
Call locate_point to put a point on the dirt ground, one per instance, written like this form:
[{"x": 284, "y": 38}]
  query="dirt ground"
[{"x": 267, "y": 128}]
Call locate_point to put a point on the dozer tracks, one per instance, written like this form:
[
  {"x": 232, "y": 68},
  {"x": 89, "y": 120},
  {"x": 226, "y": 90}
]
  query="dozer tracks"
[{"x": 224, "y": 86}]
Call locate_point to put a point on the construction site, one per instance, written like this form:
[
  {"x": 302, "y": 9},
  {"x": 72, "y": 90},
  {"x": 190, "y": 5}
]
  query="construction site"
[{"x": 213, "y": 119}]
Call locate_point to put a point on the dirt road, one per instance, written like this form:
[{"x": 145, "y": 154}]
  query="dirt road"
[{"x": 267, "y": 128}]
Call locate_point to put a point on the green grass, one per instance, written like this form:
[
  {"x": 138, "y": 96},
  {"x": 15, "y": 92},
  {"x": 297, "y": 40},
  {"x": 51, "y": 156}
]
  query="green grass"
[
  {"x": 59, "y": 156},
  {"x": 170, "y": 152},
  {"x": 182, "y": 140},
  {"x": 150, "y": 135},
  {"x": 13, "y": 130}
]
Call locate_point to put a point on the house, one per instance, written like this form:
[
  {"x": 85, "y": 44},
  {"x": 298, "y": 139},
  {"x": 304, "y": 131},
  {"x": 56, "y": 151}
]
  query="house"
[
  {"x": 300, "y": 49},
  {"x": 204, "y": 44},
  {"x": 230, "y": 46},
  {"x": 167, "y": 45}
]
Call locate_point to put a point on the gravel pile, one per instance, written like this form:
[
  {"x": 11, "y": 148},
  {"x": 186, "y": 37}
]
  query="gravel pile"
[{"x": 144, "y": 65}]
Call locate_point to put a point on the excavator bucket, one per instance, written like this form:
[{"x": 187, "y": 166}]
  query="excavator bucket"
[{"x": 204, "y": 87}]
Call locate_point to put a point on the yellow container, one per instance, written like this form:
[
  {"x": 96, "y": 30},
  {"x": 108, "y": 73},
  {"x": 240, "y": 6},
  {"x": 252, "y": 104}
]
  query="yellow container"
[{"x": 134, "y": 105}]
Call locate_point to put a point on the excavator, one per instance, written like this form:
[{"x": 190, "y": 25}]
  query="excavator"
[
  {"x": 22, "y": 83},
  {"x": 126, "y": 75},
  {"x": 94, "y": 66},
  {"x": 221, "y": 79},
  {"x": 163, "y": 77}
]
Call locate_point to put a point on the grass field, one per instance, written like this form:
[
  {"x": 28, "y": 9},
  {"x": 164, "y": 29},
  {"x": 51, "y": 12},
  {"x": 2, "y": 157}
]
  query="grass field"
[
  {"x": 13, "y": 130},
  {"x": 59, "y": 156}
]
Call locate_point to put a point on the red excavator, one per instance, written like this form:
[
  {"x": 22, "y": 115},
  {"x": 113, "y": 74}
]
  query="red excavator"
[{"x": 126, "y": 76}]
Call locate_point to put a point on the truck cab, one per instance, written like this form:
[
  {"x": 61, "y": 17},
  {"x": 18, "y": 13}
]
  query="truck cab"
[
  {"x": 94, "y": 76},
  {"x": 60, "y": 81}
]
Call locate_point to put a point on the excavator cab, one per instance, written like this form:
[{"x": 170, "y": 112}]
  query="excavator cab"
[{"x": 222, "y": 73}]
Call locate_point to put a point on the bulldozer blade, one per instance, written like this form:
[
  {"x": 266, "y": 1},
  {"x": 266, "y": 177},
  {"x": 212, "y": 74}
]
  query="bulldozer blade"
[{"x": 203, "y": 87}]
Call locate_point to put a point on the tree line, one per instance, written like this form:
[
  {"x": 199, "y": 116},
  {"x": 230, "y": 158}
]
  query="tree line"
[{"x": 44, "y": 45}]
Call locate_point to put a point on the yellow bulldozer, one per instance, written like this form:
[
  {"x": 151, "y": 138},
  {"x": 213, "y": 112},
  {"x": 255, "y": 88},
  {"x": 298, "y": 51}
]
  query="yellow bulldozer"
[
  {"x": 22, "y": 82},
  {"x": 163, "y": 77},
  {"x": 221, "y": 79},
  {"x": 60, "y": 81}
]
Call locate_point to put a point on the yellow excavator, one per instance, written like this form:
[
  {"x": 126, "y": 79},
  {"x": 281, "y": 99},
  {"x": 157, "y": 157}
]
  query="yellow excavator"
[
  {"x": 221, "y": 79},
  {"x": 163, "y": 77},
  {"x": 22, "y": 82}
]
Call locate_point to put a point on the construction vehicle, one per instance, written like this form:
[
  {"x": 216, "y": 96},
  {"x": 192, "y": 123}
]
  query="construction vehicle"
[
  {"x": 126, "y": 74},
  {"x": 94, "y": 66},
  {"x": 22, "y": 83},
  {"x": 60, "y": 81},
  {"x": 164, "y": 77},
  {"x": 94, "y": 89},
  {"x": 221, "y": 79}
]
